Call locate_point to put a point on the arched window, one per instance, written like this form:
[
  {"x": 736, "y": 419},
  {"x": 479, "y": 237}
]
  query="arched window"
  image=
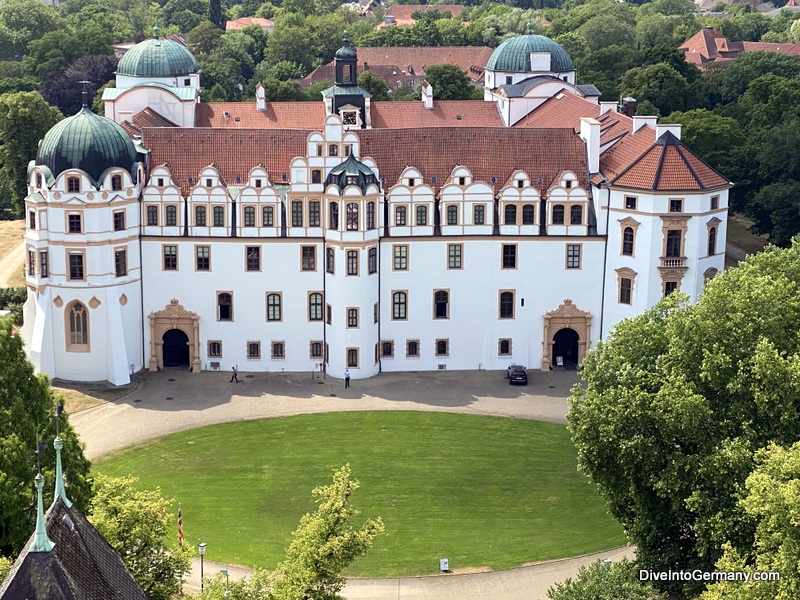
[
  {"x": 712, "y": 241},
  {"x": 507, "y": 305},
  {"x": 441, "y": 305},
  {"x": 575, "y": 215},
  {"x": 219, "y": 216},
  {"x": 200, "y": 216},
  {"x": 452, "y": 215},
  {"x": 400, "y": 216},
  {"x": 422, "y": 215},
  {"x": 315, "y": 307},
  {"x": 558, "y": 214},
  {"x": 352, "y": 216},
  {"x": 510, "y": 215},
  {"x": 268, "y": 216},
  {"x": 370, "y": 215},
  {"x": 334, "y": 216},
  {"x": 273, "y": 307},
  {"x": 172, "y": 215},
  {"x": 479, "y": 215},
  {"x": 224, "y": 307},
  {"x": 528, "y": 214},
  {"x": 78, "y": 325},
  {"x": 249, "y": 216},
  {"x": 116, "y": 182},
  {"x": 627, "y": 241},
  {"x": 399, "y": 303}
]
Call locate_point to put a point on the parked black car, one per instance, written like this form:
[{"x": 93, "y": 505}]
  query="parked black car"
[{"x": 517, "y": 374}]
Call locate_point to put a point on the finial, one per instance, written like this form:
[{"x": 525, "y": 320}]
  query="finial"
[
  {"x": 41, "y": 543},
  {"x": 85, "y": 93},
  {"x": 529, "y": 28},
  {"x": 346, "y": 40},
  {"x": 156, "y": 31},
  {"x": 58, "y": 444}
]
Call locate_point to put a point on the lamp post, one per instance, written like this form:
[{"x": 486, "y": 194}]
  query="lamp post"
[
  {"x": 201, "y": 548},
  {"x": 224, "y": 573}
]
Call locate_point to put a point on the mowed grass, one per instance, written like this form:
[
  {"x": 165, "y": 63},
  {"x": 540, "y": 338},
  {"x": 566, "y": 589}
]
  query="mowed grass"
[{"x": 481, "y": 491}]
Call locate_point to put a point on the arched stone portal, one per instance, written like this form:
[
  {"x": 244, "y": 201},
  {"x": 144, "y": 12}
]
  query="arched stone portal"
[
  {"x": 175, "y": 348},
  {"x": 565, "y": 348},
  {"x": 174, "y": 316},
  {"x": 570, "y": 318}
]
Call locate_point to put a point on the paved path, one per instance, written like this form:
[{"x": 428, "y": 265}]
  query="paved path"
[
  {"x": 174, "y": 400},
  {"x": 11, "y": 263}
]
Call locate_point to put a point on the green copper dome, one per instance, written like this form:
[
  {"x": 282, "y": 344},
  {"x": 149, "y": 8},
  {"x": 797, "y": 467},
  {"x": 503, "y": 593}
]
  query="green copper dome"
[
  {"x": 87, "y": 142},
  {"x": 157, "y": 58},
  {"x": 514, "y": 55}
]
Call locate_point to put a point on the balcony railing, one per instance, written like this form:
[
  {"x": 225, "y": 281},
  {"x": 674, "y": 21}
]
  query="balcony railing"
[{"x": 673, "y": 262}]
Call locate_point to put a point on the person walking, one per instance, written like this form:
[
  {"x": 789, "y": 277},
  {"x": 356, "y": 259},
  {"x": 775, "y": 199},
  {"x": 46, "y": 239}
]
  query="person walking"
[
  {"x": 234, "y": 377},
  {"x": 347, "y": 378}
]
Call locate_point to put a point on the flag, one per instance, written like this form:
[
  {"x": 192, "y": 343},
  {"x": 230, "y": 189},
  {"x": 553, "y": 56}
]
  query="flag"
[{"x": 180, "y": 526}]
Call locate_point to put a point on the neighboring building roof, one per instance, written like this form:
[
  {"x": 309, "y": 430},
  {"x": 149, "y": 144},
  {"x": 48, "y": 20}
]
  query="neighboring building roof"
[
  {"x": 88, "y": 142},
  {"x": 487, "y": 151},
  {"x": 708, "y": 45},
  {"x": 80, "y": 566},
  {"x": 589, "y": 89},
  {"x": 669, "y": 166},
  {"x": 151, "y": 118},
  {"x": 414, "y": 60},
  {"x": 244, "y": 115},
  {"x": 514, "y": 55},
  {"x": 238, "y": 24},
  {"x": 157, "y": 58},
  {"x": 400, "y": 14}
]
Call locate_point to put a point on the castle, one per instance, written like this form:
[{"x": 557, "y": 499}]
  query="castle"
[{"x": 360, "y": 235}]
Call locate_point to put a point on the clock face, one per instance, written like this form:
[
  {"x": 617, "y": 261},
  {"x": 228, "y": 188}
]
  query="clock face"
[{"x": 349, "y": 118}]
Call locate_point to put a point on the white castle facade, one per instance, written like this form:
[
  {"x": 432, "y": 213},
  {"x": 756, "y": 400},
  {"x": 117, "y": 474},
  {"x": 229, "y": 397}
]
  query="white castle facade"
[{"x": 369, "y": 236}]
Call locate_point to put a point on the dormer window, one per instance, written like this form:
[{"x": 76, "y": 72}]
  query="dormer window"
[
  {"x": 412, "y": 182},
  {"x": 187, "y": 82},
  {"x": 520, "y": 183},
  {"x": 116, "y": 182},
  {"x": 462, "y": 181},
  {"x": 258, "y": 183},
  {"x": 160, "y": 182},
  {"x": 38, "y": 180},
  {"x": 209, "y": 182},
  {"x": 509, "y": 80},
  {"x": 352, "y": 180},
  {"x": 568, "y": 184},
  {"x": 73, "y": 184}
]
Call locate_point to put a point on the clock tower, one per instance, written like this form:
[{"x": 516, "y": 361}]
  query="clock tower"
[{"x": 345, "y": 98}]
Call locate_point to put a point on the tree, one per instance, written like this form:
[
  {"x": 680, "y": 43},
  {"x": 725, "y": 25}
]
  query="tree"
[
  {"x": 374, "y": 85},
  {"x": 605, "y": 581},
  {"x": 216, "y": 14},
  {"x": 771, "y": 501},
  {"x": 5, "y": 567},
  {"x": 775, "y": 208},
  {"x": 325, "y": 542},
  {"x": 751, "y": 65},
  {"x": 24, "y": 119},
  {"x": 660, "y": 84},
  {"x": 451, "y": 83},
  {"x": 22, "y": 21},
  {"x": 673, "y": 411},
  {"x": 203, "y": 38},
  {"x": 65, "y": 91},
  {"x": 26, "y": 406},
  {"x": 136, "y": 524},
  {"x": 608, "y": 30}
]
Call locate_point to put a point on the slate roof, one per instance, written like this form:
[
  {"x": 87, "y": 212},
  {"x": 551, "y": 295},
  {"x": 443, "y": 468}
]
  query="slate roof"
[
  {"x": 487, "y": 151},
  {"x": 81, "y": 566},
  {"x": 669, "y": 166}
]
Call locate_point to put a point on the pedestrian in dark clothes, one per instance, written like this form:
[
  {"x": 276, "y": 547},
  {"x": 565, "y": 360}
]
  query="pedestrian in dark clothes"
[
  {"x": 234, "y": 376},
  {"x": 347, "y": 378}
]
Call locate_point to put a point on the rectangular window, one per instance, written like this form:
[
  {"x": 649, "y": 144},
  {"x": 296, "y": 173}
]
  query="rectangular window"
[
  {"x": 573, "y": 256},
  {"x": 333, "y": 150},
  {"x": 253, "y": 258},
  {"x": 170, "y": 258},
  {"x": 674, "y": 243},
  {"x": 120, "y": 263},
  {"x": 308, "y": 258},
  {"x": 330, "y": 260},
  {"x": 74, "y": 224},
  {"x": 630, "y": 202},
  {"x": 160, "y": 182},
  {"x": 442, "y": 347},
  {"x": 253, "y": 350},
  {"x": 31, "y": 262},
  {"x": 625, "y": 288},
  {"x": 576, "y": 215},
  {"x": 152, "y": 215},
  {"x": 76, "y": 267},
  {"x": 352, "y": 262},
  {"x": 257, "y": 183},
  {"x": 479, "y": 214},
  {"x": 219, "y": 216},
  {"x": 297, "y": 213},
  {"x": 454, "y": 256},
  {"x": 119, "y": 220},
  {"x": 387, "y": 349},
  {"x": 372, "y": 260},
  {"x": 202, "y": 258},
  {"x": 172, "y": 216},
  {"x": 328, "y": 314},
  {"x": 352, "y": 358},
  {"x": 274, "y": 309},
  {"x": 249, "y": 216},
  {"x": 352, "y": 318},
  {"x": 504, "y": 347},
  {"x": 225, "y": 306},
  {"x": 669, "y": 287},
  {"x": 714, "y": 202},
  {"x": 214, "y": 349},
  {"x": 32, "y": 219},
  {"x": 400, "y": 216},
  {"x": 73, "y": 184},
  {"x": 412, "y": 347},
  {"x": 452, "y": 215},
  {"x": 200, "y": 216},
  {"x": 209, "y": 182},
  {"x": 375, "y": 313},
  {"x": 509, "y": 256},
  {"x": 675, "y": 205},
  {"x": 400, "y": 258},
  {"x": 313, "y": 214},
  {"x": 278, "y": 350},
  {"x": 43, "y": 267},
  {"x": 507, "y": 305},
  {"x": 315, "y": 350},
  {"x": 268, "y": 216},
  {"x": 422, "y": 215}
]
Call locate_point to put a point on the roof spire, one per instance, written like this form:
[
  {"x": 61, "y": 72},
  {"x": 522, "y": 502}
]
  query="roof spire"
[
  {"x": 58, "y": 444},
  {"x": 156, "y": 31},
  {"x": 41, "y": 543},
  {"x": 85, "y": 93},
  {"x": 529, "y": 28}
]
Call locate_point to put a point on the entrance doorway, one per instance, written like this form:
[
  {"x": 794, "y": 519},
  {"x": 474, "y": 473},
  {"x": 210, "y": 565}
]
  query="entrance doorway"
[
  {"x": 565, "y": 348},
  {"x": 176, "y": 348}
]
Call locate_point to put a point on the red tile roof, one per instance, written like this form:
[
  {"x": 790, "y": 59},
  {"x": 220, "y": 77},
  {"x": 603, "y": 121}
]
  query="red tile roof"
[
  {"x": 670, "y": 167},
  {"x": 404, "y": 11},
  {"x": 625, "y": 151},
  {"x": 279, "y": 115},
  {"x": 470, "y": 59},
  {"x": 445, "y": 113},
  {"x": 238, "y": 24},
  {"x": 708, "y": 45},
  {"x": 487, "y": 151},
  {"x": 391, "y": 74},
  {"x": 151, "y": 118}
]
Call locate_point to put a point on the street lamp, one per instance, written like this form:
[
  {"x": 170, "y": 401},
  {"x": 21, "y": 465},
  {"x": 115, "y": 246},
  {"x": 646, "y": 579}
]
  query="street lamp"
[{"x": 201, "y": 548}]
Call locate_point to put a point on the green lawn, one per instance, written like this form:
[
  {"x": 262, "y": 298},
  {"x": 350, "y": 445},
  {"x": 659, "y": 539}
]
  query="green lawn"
[{"x": 482, "y": 491}]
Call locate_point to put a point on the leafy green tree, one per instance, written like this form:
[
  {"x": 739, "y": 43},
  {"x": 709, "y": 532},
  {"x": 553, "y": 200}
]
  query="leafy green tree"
[
  {"x": 775, "y": 209},
  {"x": 12, "y": 299},
  {"x": 22, "y": 21},
  {"x": 215, "y": 14},
  {"x": 660, "y": 84},
  {"x": 645, "y": 108},
  {"x": 203, "y": 38},
  {"x": 53, "y": 52},
  {"x": 136, "y": 524},
  {"x": 374, "y": 85},
  {"x": 292, "y": 44},
  {"x": 225, "y": 72},
  {"x": 285, "y": 70},
  {"x": 750, "y": 65},
  {"x": 282, "y": 91},
  {"x": 5, "y": 567},
  {"x": 605, "y": 581},
  {"x": 26, "y": 406},
  {"x": 314, "y": 91},
  {"x": 26, "y": 83},
  {"x": 24, "y": 119},
  {"x": 745, "y": 28},
  {"x": 186, "y": 14},
  {"x": 678, "y": 399},
  {"x": 574, "y": 43},
  {"x": 771, "y": 501},
  {"x": 451, "y": 83},
  {"x": 709, "y": 135},
  {"x": 605, "y": 68},
  {"x": 608, "y": 30}
]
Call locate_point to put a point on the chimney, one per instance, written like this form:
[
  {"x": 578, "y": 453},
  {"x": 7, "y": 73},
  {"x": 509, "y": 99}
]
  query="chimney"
[
  {"x": 628, "y": 106},
  {"x": 590, "y": 133},
  {"x": 261, "y": 100},
  {"x": 427, "y": 95},
  {"x": 608, "y": 107},
  {"x": 639, "y": 122},
  {"x": 674, "y": 129}
]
